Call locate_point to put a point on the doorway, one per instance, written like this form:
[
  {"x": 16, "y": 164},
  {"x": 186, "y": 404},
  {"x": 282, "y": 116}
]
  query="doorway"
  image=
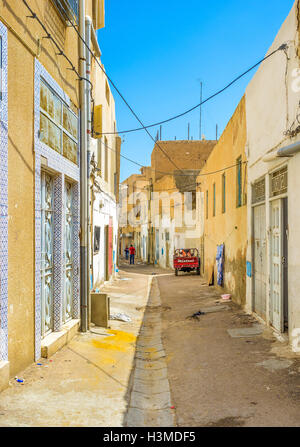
[
  {"x": 259, "y": 252},
  {"x": 279, "y": 264}
]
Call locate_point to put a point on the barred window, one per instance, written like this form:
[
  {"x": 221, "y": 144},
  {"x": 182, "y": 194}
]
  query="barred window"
[
  {"x": 279, "y": 182},
  {"x": 259, "y": 191}
]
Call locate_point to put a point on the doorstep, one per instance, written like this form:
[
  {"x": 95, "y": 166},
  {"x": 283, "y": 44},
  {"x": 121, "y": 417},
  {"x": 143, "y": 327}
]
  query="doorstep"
[
  {"x": 4, "y": 375},
  {"x": 56, "y": 340}
]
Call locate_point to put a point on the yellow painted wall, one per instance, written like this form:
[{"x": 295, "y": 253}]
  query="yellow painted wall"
[
  {"x": 220, "y": 228},
  {"x": 20, "y": 207},
  {"x": 24, "y": 44}
]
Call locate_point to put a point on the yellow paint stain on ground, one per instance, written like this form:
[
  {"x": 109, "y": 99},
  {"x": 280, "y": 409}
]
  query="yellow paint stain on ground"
[
  {"x": 169, "y": 357},
  {"x": 121, "y": 341}
]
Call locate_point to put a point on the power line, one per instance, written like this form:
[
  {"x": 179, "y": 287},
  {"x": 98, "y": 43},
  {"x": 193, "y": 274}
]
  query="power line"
[
  {"x": 120, "y": 94},
  {"x": 201, "y": 175},
  {"x": 283, "y": 47},
  {"x": 61, "y": 53}
]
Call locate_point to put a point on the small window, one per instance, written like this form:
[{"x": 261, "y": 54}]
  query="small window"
[
  {"x": 68, "y": 9},
  {"x": 224, "y": 193},
  {"x": 214, "y": 199},
  {"x": 239, "y": 182},
  {"x": 96, "y": 239},
  {"x": 107, "y": 93},
  {"x": 99, "y": 155},
  {"x": 106, "y": 159}
]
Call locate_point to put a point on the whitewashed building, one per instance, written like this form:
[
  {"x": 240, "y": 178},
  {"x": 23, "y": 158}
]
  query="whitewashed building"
[{"x": 273, "y": 153}]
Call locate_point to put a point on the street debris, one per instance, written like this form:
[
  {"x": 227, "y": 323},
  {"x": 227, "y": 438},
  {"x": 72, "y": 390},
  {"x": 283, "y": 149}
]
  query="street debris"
[
  {"x": 19, "y": 380},
  {"x": 120, "y": 317},
  {"x": 196, "y": 315},
  {"x": 226, "y": 297}
]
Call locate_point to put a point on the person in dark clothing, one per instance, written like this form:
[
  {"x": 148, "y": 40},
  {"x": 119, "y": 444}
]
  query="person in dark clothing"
[
  {"x": 132, "y": 253},
  {"x": 126, "y": 252}
]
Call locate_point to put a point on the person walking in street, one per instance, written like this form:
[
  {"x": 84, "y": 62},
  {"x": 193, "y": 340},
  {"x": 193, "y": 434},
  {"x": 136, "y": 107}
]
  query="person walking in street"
[
  {"x": 126, "y": 252},
  {"x": 132, "y": 253}
]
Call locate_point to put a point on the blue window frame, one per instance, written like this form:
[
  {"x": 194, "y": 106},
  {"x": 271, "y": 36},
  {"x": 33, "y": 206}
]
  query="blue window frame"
[{"x": 239, "y": 182}]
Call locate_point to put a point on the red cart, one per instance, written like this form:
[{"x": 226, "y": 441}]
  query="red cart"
[{"x": 186, "y": 260}]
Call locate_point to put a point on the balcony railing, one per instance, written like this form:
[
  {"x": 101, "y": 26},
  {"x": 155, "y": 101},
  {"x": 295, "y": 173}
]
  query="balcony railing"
[{"x": 68, "y": 9}]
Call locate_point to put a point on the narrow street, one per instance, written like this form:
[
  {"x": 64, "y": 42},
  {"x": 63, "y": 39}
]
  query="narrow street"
[
  {"x": 163, "y": 368},
  {"x": 214, "y": 379}
]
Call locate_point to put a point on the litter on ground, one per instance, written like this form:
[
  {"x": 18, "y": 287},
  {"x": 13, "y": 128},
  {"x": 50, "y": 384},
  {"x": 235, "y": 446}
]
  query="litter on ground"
[
  {"x": 120, "y": 317},
  {"x": 196, "y": 315}
]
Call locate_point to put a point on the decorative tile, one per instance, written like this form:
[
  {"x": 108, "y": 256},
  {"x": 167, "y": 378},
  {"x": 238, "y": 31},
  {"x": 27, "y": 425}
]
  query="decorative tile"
[
  {"x": 3, "y": 201},
  {"x": 62, "y": 167}
]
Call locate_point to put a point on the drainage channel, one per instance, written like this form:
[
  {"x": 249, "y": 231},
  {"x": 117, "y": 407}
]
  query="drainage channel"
[{"x": 150, "y": 399}]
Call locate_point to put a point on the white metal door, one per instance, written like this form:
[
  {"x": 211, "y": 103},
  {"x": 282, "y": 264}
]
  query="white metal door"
[
  {"x": 46, "y": 254},
  {"x": 260, "y": 260},
  {"x": 276, "y": 265},
  {"x": 68, "y": 280}
]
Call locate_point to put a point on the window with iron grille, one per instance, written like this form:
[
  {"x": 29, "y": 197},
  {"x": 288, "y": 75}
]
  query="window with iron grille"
[
  {"x": 259, "y": 191},
  {"x": 279, "y": 182},
  {"x": 68, "y": 9}
]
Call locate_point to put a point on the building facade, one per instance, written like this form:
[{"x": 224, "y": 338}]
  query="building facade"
[
  {"x": 272, "y": 110},
  {"x": 223, "y": 185},
  {"x": 39, "y": 178}
]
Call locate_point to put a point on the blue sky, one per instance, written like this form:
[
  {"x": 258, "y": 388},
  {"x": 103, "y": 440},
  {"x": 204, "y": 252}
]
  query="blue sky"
[{"x": 156, "y": 52}]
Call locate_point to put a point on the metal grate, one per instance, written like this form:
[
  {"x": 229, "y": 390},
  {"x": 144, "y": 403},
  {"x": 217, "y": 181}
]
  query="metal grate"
[
  {"x": 279, "y": 181},
  {"x": 259, "y": 191}
]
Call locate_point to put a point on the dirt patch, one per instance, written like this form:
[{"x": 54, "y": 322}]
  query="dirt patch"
[{"x": 227, "y": 422}]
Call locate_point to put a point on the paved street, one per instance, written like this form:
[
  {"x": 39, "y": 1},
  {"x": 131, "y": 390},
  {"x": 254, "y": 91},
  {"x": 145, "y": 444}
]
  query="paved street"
[
  {"x": 163, "y": 368},
  {"x": 214, "y": 379}
]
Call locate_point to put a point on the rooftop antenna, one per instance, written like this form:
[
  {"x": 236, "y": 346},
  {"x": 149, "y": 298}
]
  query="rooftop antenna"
[
  {"x": 200, "y": 118},
  {"x": 160, "y": 132}
]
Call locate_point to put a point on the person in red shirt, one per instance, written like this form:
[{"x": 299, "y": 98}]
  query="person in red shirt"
[{"x": 132, "y": 253}]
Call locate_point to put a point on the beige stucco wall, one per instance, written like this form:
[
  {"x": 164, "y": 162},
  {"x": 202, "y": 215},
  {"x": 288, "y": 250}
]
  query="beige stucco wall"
[{"x": 221, "y": 228}]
